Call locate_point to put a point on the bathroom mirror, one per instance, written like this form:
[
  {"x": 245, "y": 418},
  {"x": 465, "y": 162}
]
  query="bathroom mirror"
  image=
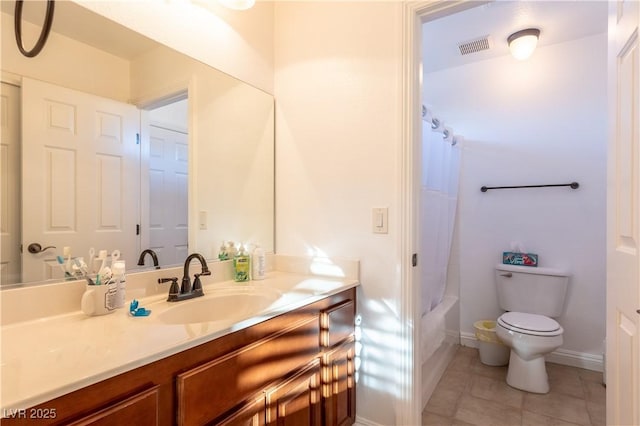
[{"x": 219, "y": 182}]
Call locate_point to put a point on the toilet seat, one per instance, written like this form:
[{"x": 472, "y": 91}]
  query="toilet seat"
[{"x": 532, "y": 324}]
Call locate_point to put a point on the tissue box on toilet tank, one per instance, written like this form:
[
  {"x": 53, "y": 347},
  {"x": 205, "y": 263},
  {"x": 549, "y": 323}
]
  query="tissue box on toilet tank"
[{"x": 523, "y": 259}]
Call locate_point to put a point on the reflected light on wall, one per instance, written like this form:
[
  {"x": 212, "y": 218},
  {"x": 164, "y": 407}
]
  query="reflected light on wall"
[
  {"x": 380, "y": 352},
  {"x": 237, "y": 4},
  {"x": 322, "y": 265}
]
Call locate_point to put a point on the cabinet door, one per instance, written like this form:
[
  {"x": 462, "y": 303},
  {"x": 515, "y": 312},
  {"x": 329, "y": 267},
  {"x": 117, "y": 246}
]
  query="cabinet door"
[
  {"x": 296, "y": 401},
  {"x": 210, "y": 390},
  {"x": 339, "y": 390},
  {"x": 336, "y": 323},
  {"x": 140, "y": 409},
  {"x": 250, "y": 414}
]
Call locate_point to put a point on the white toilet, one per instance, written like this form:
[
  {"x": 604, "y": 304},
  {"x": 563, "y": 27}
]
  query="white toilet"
[{"x": 531, "y": 296}]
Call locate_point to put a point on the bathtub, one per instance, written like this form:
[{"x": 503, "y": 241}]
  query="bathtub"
[{"x": 439, "y": 340}]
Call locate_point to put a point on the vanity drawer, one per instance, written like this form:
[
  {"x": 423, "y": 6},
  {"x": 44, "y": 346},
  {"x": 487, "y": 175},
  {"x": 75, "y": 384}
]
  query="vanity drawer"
[
  {"x": 336, "y": 323},
  {"x": 140, "y": 409},
  {"x": 206, "y": 392}
]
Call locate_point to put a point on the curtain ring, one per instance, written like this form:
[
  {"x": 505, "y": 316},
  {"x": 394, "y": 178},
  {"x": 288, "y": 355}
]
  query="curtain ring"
[{"x": 44, "y": 34}]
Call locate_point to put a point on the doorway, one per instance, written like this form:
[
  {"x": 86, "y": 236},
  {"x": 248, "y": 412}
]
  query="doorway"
[
  {"x": 417, "y": 15},
  {"x": 165, "y": 224}
]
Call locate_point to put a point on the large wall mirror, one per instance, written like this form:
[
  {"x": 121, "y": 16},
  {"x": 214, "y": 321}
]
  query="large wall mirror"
[{"x": 112, "y": 141}]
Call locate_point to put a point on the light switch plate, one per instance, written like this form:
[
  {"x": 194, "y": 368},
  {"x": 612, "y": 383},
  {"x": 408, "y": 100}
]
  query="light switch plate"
[
  {"x": 202, "y": 219},
  {"x": 380, "y": 220}
]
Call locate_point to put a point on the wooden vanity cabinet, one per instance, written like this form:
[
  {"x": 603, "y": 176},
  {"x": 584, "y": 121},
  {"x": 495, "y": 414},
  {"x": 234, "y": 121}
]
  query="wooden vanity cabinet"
[
  {"x": 293, "y": 369},
  {"x": 297, "y": 400},
  {"x": 250, "y": 413},
  {"x": 140, "y": 410},
  {"x": 338, "y": 363}
]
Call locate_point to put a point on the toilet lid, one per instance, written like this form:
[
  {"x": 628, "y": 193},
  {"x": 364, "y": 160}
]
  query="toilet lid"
[{"x": 530, "y": 324}]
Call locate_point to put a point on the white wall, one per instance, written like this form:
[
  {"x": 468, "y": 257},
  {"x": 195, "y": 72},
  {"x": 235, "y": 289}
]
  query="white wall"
[
  {"x": 65, "y": 62},
  {"x": 533, "y": 122},
  {"x": 231, "y": 155},
  {"x": 338, "y": 129},
  {"x": 239, "y": 43}
]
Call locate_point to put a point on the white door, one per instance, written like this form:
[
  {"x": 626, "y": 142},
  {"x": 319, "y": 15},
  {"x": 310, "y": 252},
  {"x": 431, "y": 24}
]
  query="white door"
[
  {"x": 80, "y": 174},
  {"x": 168, "y": 194},
  {"x": 10, "y": 178},
  {"x": 623, "y": 217}
]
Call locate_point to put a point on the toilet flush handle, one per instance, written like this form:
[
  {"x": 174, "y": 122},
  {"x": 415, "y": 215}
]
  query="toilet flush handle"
[{"x": 508, "y": 275}]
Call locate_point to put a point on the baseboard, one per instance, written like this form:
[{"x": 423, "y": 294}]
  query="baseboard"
[
  {"x": 365, "y": 422},
  {"x": 468, "y": 339},
  {"x": 560, "y": 356},
  {"x": 576, "y": 359}
]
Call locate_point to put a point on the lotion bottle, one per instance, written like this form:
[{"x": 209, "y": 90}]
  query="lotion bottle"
[
  {"x": 119, "y": 277},
  {"x": 258, "y": 264}
]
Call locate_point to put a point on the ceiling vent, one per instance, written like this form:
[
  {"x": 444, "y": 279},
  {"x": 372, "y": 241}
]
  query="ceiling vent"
[{"x": 476, "y": 45}]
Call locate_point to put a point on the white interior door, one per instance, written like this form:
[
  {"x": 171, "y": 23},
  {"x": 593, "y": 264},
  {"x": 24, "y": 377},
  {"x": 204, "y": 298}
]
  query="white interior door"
[
  {"x": 10, "y": 177},
  {"x": 168, "y": 194},
  {"x": 80, "y": 174},
  {"x": 623, "y": 217}
]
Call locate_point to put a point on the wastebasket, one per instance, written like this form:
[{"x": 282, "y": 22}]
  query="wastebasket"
[{"x": 492, "y": 350}]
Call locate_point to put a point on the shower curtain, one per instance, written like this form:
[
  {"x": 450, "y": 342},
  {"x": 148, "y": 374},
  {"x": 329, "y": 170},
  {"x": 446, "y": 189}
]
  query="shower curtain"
[{"x": 438, "y": 201}]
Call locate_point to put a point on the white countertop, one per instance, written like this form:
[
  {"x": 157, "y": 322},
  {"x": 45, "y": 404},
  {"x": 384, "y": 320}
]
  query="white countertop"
[{"x": 48, "y": 357}]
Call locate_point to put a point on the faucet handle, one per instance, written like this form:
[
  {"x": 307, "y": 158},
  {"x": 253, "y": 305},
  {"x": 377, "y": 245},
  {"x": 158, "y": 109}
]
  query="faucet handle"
[
  {"x": 197, "y": 285},
  {"x": 174, "y": 290}
]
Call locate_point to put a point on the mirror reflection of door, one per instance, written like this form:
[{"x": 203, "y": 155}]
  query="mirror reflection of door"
[
  {"x": 168, "y": 182},
  {"x": 10, "y": 190},
  {"x": 80, "y": 175}
]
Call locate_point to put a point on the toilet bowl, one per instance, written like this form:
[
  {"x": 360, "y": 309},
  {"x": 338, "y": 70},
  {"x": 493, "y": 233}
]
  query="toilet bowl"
[
  {"x": 532, "y": 297},
  {"x": 530, "y": 337}
]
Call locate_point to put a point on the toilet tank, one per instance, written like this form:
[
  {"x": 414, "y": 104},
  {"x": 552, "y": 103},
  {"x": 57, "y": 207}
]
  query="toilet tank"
[{"x": 532, "y": 290}]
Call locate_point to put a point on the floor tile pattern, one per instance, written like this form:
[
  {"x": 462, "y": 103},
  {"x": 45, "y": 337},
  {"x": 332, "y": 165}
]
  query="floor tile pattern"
[{"x": 471, "y": 393}]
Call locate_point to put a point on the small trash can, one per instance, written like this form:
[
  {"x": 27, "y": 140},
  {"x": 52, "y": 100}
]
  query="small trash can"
[{"x": 492, "y": 351}]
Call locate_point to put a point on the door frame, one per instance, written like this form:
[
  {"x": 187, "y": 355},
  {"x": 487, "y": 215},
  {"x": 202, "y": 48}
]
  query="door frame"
[
  {"x": 181, "y": 91},
  {"x": 414, "y": 14}
]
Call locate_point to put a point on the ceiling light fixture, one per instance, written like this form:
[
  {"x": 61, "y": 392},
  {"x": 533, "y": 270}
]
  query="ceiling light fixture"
[
  {"x": 523, "y": 43},
  {"x": 238, "y": 4}
]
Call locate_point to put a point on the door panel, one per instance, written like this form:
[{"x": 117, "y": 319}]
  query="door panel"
[
  {"x": 81, "y": 165},
  {"x": 168, "y": 194},
  {"x": 10, "y": 214},
  {"x": 623, "y": 236}
]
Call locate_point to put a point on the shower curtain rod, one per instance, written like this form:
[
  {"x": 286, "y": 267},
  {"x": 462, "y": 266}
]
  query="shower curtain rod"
[{"x": 573, "y": 185}]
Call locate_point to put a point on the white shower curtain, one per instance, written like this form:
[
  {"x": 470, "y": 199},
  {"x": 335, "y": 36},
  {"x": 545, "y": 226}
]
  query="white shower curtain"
[{"x": 438, "y": 200}]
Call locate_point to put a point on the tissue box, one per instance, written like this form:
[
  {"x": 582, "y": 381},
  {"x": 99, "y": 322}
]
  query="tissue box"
[{"x": 523, "y": 259}]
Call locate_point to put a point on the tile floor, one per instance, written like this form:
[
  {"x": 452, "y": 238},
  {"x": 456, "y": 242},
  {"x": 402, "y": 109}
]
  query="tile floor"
[{"x": 471, "y": 393}]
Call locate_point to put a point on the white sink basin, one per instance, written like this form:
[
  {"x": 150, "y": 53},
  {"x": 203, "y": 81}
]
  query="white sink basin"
[{"x": 226, "y": 305}]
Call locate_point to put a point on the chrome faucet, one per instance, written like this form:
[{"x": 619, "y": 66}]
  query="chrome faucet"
[
  {"x": 185, "y": 291},
  {"x": 154, "y": 258}
]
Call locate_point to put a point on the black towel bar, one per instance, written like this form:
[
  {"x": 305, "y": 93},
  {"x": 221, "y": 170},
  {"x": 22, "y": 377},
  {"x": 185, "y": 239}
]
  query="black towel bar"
[{"x": 573, "y": 185}]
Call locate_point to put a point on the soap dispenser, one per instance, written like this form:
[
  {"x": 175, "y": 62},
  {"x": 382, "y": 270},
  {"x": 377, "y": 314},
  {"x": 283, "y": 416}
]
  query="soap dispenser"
[
  {"x": 241, "y": 265},
  {"x": 231, "y": 250},
  {"x": 222, "y": 254}
]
